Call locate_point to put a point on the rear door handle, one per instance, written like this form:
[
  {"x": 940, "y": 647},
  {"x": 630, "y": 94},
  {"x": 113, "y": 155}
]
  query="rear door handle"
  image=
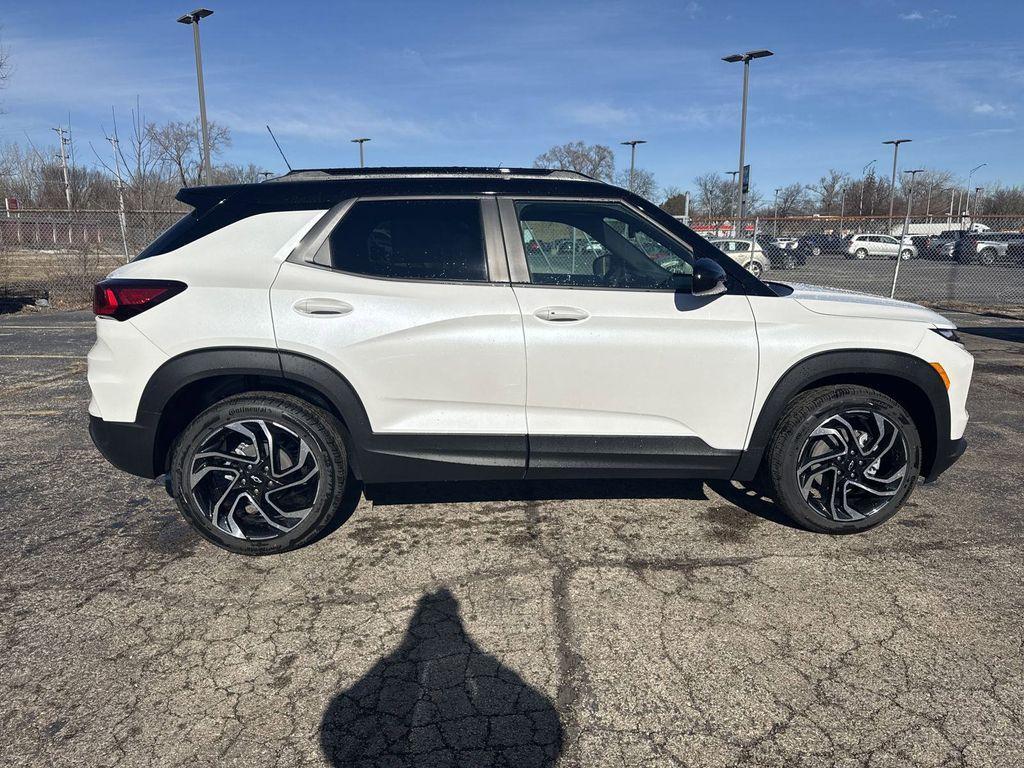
[
  {"x": 322, "y": 307},
  {"x": 561, "y": 314}
]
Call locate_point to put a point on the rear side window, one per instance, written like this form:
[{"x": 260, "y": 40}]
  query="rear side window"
[{"x": 410, "y": 240}]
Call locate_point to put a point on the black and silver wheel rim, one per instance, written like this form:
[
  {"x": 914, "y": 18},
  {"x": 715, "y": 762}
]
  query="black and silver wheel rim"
[
  {"x": 254, "y": 479},
  {"x": 754, "y": 268},
  {"x": 852, "y": 465}
]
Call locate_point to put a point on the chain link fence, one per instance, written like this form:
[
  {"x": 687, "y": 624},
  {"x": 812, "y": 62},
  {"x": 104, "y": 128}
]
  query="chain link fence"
[
  {"x": 58, "y": 256},
  {"x": 977, "y": 261}
]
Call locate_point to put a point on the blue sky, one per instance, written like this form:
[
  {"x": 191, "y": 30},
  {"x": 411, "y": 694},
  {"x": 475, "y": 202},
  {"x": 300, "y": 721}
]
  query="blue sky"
[{"x": 498, "y": 83}]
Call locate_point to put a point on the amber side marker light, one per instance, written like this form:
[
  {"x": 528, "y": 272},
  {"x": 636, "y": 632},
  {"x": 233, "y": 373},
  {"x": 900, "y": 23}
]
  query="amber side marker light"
[{"x": 942, "y": 373}]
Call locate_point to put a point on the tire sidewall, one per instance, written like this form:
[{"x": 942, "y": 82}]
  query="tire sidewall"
[
  {"x": 330, "y": 454},
  {"x": 786, "y": 484}
]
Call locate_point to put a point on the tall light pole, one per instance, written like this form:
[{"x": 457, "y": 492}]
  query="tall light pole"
[
  {"x": 360, "y": 142},
  {"x": 775, "y": 229},
  {"x": 745, "y": 58},
  {"x": 967, "y": 205},
  {"x": 863, "y": 176},
  {"x": 906, "y": 228},
  {"x": 892, "y": 192},
  {"x": 632, "y": 159},
  {"x": 977, "y": 199},
  {"x": 732, "y": 209},
  {"x": 193, "y": 20}
]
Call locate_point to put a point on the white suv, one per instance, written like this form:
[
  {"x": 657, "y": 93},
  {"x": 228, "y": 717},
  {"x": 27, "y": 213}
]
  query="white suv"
[
  {"x": 287, "y": 340},
  {"x": 886, "y": 246}
]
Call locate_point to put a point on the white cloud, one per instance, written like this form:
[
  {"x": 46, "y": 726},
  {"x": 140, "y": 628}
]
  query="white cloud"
[
  {"x": 934, "y": 17},
  {"x": 693, "y": 9},
  {"x": 988, "y": 108},
  {"x": 596, "y": 114}
]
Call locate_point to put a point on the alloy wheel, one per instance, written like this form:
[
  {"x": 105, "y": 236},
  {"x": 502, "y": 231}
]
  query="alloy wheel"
[
  {"x": 852, "y": 465},
  {"x": 254, "y": 479}
]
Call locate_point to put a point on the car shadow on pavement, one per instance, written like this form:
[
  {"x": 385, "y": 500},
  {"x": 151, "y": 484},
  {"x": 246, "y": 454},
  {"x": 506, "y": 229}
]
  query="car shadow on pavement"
[
  {"x": 531, "y": 490},
  {"x": 751, "y": 501},
  {"x": 440, "y": 700},
  {"x": 998, "y": 332}
]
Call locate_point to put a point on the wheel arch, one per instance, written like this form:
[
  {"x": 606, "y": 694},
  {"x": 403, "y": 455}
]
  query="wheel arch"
[
  {"x": 188, "y": 384},
  {"x": 907, "y": 379}
]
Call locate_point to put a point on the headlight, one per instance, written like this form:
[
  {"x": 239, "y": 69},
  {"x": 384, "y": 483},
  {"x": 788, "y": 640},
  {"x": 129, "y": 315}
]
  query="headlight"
[{"x": 949, "y": 334}]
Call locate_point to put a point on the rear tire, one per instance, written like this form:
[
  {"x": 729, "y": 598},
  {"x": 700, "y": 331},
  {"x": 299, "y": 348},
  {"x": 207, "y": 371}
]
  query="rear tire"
[
  {"x": 754, "y": 268},
  {"x": 987, "y": 257},
  {"x": 860, "y": 254},
  {"x": 260, "y": 473},
  {"x": 906, "y": 254},
  {"x": 843, "y": 459}
]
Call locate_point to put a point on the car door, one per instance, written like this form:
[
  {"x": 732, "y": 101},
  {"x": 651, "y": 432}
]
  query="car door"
[
  {"x": 409, "y": 300},
  {"x": 626, "y": 369},
  {"x": 888, "y": 246}
]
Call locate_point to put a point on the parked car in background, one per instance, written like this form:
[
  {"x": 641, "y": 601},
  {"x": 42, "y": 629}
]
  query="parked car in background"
[
  {"x": 883, "y": 246},
  {"x": 985, "y": 248},
  {"x": 930, "y": 229},
  {"x": 788, "y": 255},
  {"x": 745, "y": 252},
  {"x": 823, "y": 245}
]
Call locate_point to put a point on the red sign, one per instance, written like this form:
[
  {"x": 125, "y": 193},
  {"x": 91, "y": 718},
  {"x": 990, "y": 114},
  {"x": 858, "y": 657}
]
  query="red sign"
[{"x": 11, "y": 203}]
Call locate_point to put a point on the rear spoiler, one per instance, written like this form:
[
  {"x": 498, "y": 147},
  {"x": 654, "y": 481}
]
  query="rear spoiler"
[{"x": 205, "y": 198}]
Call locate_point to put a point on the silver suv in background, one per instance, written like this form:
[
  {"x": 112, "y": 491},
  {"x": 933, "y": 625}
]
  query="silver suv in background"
[
  {"x": 885, "y": 246},
  {"x": 747, "y": 253}
]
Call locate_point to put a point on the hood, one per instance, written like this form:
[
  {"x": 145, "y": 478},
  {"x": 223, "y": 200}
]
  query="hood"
[{"x": 842, "y": 303}]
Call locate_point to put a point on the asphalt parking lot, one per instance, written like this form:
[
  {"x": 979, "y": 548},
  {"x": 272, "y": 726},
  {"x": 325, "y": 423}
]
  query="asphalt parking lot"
[
  {"x": 919, "y": 279},
  {"x": 586, "y": 624}
]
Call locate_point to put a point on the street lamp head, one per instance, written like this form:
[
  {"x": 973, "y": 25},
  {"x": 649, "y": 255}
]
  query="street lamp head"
[
  {"x": 633, "y": 142},
  {"x": 897, "y": 142},
  {"x": 359, "y": 141},
  {"x": 758, "y": 54},
  {"x": 916, "y": 170},
  {"x": 195, "y": 16}
]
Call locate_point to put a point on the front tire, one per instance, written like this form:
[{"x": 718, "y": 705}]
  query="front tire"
[
  {"x": 860, "y": 254},
  {"x": 843, "y": 459},
  {"x": 754, "y": 267},
  {"x": 987, "y": 257},
  {"x": 906, "y": 254},
  {"x": 260, "y": 473}
]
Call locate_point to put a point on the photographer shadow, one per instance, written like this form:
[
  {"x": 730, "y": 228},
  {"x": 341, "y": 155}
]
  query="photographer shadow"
[{"x": 440, "y": 700}]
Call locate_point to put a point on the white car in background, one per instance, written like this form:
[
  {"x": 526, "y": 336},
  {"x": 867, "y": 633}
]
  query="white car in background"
[
  {"x": 745, "y": 252},
  {"x": 884, "y": 246}
]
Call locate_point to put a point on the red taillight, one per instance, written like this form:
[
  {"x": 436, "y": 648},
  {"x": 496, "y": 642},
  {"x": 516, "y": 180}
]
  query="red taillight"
[{"x": 121, "y": 299}]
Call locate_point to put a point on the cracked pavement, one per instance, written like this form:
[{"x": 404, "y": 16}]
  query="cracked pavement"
[{"x": 571, "y": 624}]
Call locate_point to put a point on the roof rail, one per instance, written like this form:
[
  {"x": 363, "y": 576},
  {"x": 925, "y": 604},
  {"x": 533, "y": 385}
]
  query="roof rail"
[{"x": 328, "y": 174}]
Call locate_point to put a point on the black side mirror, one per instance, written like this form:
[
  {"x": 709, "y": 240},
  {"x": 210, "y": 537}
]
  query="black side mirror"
[{"x": 708, "y": 278}]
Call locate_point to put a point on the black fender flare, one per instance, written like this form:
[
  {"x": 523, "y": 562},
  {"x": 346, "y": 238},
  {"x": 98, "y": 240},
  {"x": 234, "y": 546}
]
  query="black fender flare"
[
  {"x": 850, "y": 364},
  {"x": 290, "y": 367}
]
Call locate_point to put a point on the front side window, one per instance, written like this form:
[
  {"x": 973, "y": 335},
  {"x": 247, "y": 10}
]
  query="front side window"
[
  {"x": 410, "y": 240},
  {"x": 599, "y": 245}
]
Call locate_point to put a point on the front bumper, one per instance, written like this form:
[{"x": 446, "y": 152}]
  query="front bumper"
[
  {"x": 945, "y": 457},
  {"x": 128, "y": 445}
]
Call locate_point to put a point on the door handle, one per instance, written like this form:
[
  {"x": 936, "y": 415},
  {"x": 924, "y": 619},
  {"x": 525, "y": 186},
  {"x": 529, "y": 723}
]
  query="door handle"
[
  {"x": 561, "y": 314},
  {"x": 322, "y": 307}
]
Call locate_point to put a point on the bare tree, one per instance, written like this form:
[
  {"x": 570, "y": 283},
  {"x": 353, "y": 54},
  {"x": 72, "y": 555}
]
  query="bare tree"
[
  {"x": 674, "y": 202},
  {"x": 715, "y": 196},
  {"x": 829, "y": 190},
  {"x": 179, "y": 145},
  {"x": 643, "y": 182},
  {"x": 999, "y": 200},
  {"x": 5, "y": 66},
  {"x": 792, "y": 201},
  {"x": 594, "y": 160}
]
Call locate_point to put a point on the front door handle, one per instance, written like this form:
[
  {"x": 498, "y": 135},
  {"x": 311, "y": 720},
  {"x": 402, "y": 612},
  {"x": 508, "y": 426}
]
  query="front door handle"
[
  {"x": 561, "y": 314},
  {"x": 322, "y": 307}
]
